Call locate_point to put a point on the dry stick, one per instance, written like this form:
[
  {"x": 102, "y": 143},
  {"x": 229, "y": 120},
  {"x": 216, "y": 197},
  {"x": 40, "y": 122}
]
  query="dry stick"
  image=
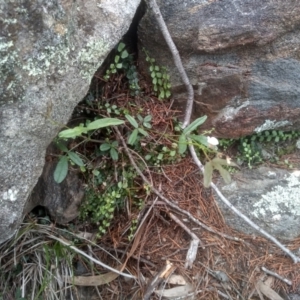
[
  {"x": 187, "y": 118},
  {"x": 166, "y": 200},
  {"x": 177, "y": 60},
  {"x": 192, "y": 252},
  {"x": 276, "y": 275}
]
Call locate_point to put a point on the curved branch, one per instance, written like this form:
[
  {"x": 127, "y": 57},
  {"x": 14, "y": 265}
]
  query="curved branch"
[{"x": 177, "y": 60}]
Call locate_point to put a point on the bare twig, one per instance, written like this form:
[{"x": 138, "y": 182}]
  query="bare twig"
[
  {"x": 188, "y": 111},
  {"x": 160, "y": 276},
  {"x": 276, "y": 275},
  {"x": 192, "y": 252},
  {"x": 177, "y": 60},
  {"x": 90, "y": 257}
]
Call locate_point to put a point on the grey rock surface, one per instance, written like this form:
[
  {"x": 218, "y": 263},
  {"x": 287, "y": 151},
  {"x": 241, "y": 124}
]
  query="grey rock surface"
[
  {"x": 269, "y": 197},
  {"x": 242, "y": 57},
  {"x": 49, "y": 51}
]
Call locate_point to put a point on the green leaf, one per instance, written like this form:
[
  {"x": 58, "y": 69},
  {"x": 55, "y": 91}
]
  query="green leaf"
[
  {"x": 117, "y": 58},
  {"x": 153, "y": 74},
  {"x": 140, "y": 118},
  {"x": 158, "y": 75},
  {"x": 160, "y": 156},
  {"x": 151, "y": 68},
  {"x": 61, "y": 146},
  {"x": 124, "y": 54},
  {"x": 168, "y": 94},
  {"x": 200, "y": 139},
  {"x": 195, "y": 124},
  {"x": 182, "y": 144},
  {"x": 105, "y": 147},
  {"x": 224, "y": 162},
  {"x": 114, "y": 154},
  {"x": 132, "y": 138},
  {"x": 207, "y": 175},
  {"x": 224, "y": 173},
  {"x": 162, "y": 94},
  {"x": 61, "y": 169},
  {"x": 132, "y": 121},
  {"x": 105, "y": 122},
  {"x": 115, "y": 144},
  {"x": 75, "y": 158},
  {"x": 72, "y": 133},
  {"x": 143, "y": 132},
  {"x": 121, "y": 46},
  {"x": 148, "y": 118},
  {"x": 147, "y": 125},
  {"x": 154, "y": 80},
  {"x": 119, "y": 66}
]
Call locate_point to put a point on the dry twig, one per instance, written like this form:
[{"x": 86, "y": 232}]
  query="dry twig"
[
  {"x": 276, "y": 275},
  {"x": 192, "y": 252}
]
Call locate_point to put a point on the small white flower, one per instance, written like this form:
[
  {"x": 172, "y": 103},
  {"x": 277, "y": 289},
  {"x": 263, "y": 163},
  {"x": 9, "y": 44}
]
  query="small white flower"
[{"x": 212, "y": 141}]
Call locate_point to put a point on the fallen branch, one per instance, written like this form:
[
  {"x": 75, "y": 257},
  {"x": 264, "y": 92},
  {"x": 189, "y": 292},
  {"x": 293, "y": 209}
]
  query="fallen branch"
[
  {"x": 177, "y": 60},
  {"x": 276, "y": 275},
  {"x": 192, "y": 252}
]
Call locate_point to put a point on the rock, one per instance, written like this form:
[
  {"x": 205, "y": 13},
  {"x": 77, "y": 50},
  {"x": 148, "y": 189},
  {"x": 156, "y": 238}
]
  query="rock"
[
  {"x": 62, "y": 200},
  {"x": 242, "y": 58},
  {"x": 269, "y": 197},
  {"x": 49, "y": 51}
]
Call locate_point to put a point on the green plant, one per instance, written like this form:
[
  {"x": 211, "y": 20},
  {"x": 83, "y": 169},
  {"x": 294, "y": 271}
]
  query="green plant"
[
  {"x": 132, "y": 229},
  {"x": 205, "y": 143},
  {"x": 62, "y": 166},
  {"x": 160, "y": 78},
  {"x": 217, "y": 164},
  {"x": 99, "y": 208},
  {"x": 104, "y": 196},
  {"x": 112, "y": 148},
  {"x": 123, "y": 61},
  {"x": 138, "y": 128},
  {"x": 250, "y": 152},
  {"x": 187, "y": 136},
  {"x": 162, "y": 155},
  {"x": 250, "y": 147}
]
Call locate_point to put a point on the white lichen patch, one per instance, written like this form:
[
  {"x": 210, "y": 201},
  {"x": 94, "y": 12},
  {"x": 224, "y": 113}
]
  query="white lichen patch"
[
  {"x": 91, "y": 57},
  {"x": 271, "y": 124},
  {"x": 10, "y": 195},
  {"x": 228, "y": 113},
  {"x": 281, "y": 199},
  {"x": 50, "y": 55},
  {"x": 9, "y": 21}
]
